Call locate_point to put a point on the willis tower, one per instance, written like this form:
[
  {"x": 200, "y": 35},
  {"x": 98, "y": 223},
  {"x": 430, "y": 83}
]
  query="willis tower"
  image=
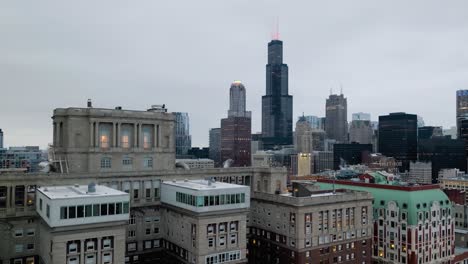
[{"x": 277, "y": 103}]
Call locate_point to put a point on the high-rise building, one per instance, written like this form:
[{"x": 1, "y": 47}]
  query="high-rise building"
[
  {"x": 427, "y": 132},
  {"x": 420, "y": 172},
  {"x": 336, "y": 124},
  {"x": 452, "y": 132},
  {"x": 362, "y": 116},
  {"x": 443, "y": 153},
  {"x": 236, "y": 131},
  {"x": 360, "y": 131},
  {"x": 183, "y": 139},
  {"x": 463, "y": 133},
  {"x": 314, "y": 121},
  {"x": 350, "y": 154},
  {"x": 215, "y": 146},
  {"x": 276, "y": 103},
  {"x": 398, "y": 137},
  {"x": 1, "y": 138},
  {"x": 462, "y": 108},
  {"x": 303, "y": 136}
]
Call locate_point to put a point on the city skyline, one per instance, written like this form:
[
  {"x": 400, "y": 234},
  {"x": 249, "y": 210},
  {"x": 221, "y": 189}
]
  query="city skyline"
[{"x": 128, "y": 56}]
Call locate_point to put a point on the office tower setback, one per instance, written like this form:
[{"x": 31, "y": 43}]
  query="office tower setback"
[
  {"x": 276, "y": 103},
  {"x": 398, "y": 137},
  {"x": 314, "y": 121},
  {"x": 462, "y": 108},
  {"x": 215, "y": 146},
  {"x": 183, "y": 139},
  {"x": 361, "y": 116},
  {"x": 336, "y": 124},
  {"x": 360, "y": 131},
  {"x": 427, "y": 132},
  {"x": 236, "y": 129}
]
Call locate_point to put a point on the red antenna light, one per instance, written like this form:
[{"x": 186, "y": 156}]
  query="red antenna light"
[{"x": 276, "y": 34}]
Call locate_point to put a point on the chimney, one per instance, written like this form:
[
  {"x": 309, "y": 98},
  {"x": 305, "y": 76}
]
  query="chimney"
[
  {"x": 92, "y": 187},
  {"x": 90, "y": 104}
]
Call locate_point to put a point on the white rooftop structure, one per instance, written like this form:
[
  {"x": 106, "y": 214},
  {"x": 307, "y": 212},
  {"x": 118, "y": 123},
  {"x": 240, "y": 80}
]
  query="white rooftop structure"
[
  {"x": 81, "y": 204},
  {"x": 205, "y": 196},
  {"x": 78, "y": 191}
]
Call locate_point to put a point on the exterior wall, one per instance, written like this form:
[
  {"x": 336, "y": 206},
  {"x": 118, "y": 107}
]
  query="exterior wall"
[
  {"x": 190, "y": 234},
  {"x": 55, "y": 251},
  {"x": 77, "y": 139},
  {"x": 296, "y": 230},
  {"x": 360, "y": 131},
  {"x": 19, "y": 213},
  {"x": 236, "y": 133},
  {"x": 215, "y": 145},
  {"x": 336, "y": 125}
]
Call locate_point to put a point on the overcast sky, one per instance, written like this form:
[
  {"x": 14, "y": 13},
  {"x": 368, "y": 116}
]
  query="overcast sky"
[{"x": 395, "y": 56}]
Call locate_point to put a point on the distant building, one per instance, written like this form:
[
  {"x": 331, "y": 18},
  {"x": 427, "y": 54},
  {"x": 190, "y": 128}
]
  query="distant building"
[
  {"x": 183, "y": 139},
  {"x": 427, "y": 132},
  {"x": 360, "y": 131},
  {"x": 452, "y": 132},
  {"x": 236, "y": 129},
  {"x": 463, "y": 133},
  {"x": 1, "y": 138},
  {"x": 398, "y": 137},
  {"x": 197, "y": 163},
  {"x": 303, "y": 142},
  {"x": 322, "y": 161},
  {"x": 462, "y": 109},
  {"x": 256, "y": 143},
  {"x": 361, "y": 116},
  {"x": 420, "y": 172},
  {"x": 215, "y": 146},
  {"x": 336, "y": 124},
  {"x": 314, "y": 121},
  {"x": 443, "y": 153},
  {"x": 328, "y": 144},
  {"x": 277, "y": 104},
  {"x": 318, "y": 139},
  {"x": 350, "y": 154},
  {"x": 199, "y": 153},
  {"x": 27, "y": 158},
  {"x": 311, "y": 226},
  {"x": 404, "y": 216}
]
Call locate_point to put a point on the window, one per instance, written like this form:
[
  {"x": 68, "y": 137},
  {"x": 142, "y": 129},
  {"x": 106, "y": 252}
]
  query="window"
[
  {"x": 148, "y": 162},
  {"x": 222, "y": 240},
  {"x": 72, "y": 247},
  {"x": 107, "y": 258},
  {"x": 118, "y": 208},
  {"x": 103, "y": 209},
  {"x": 107, "y": 243},
  {"x": 88, "y": 210},
  {"x": 211, "y": 241},
  {"x": 131, "y": 220},
  {"x": 30, "y": 232},
  {"x": 40, "y": 204},
  {"x": 3, "y": 196},
  {"x": 96, "y": 210},
  {"x": 48, "y": 211},
  {"x": 106, "y": 163},
  {"x": 19, "y": 248},
  {"x": 148, "y": 244},
  {"x": 132, "y": 246},
  {"x": 127, "y": 162},
  {"x": 80, "y": 211},
  {"x": 90, "y": 245},
  {"x": 111, "y": 208},
  {"x": 125, "y": 207},
  {"x": 18, "y": 232},
  {"x": 125, "y": 138},
  {"x": 30, "y": 246},
  {"x": 131, "y": 233},
  {"x": 19, "y": 195},
  {"x": 233, "y": 226},
  {"x": 72, "y": 212},
  {"x": 156, "y": 230},
  {"x": 148, "y": 231},
  {"x": 147, "y": 136},
  {"x": 104, "y": 135},
  {"x": 233, "y": 239}
]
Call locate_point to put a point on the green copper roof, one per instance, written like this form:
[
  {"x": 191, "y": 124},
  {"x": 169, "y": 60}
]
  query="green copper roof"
[{"x": 414, "y": 201}]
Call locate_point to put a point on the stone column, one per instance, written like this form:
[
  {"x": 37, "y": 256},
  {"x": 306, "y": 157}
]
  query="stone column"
[
  {"x": 119, "y": 126},
  {"x": 91, "y": 135},
  {"x": 135, "y": 135},
  {"x": 99, "y": 245},
  {"x": 82, "y": 249},
  {"x": 96, "y": 134},
  {"x": 140, "y": 138},
  {"x": 114, "y": 135},
  {"x": 155, "y": 132}
]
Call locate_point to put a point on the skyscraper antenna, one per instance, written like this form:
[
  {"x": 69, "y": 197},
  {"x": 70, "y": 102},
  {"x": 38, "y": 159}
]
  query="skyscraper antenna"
[
  {"x": 341, "y": 88},
  {"x": 276, "y": 35},
  {"x": 331, "y": 91}
]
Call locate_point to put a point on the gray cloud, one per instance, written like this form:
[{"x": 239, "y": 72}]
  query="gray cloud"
[{"x": 394, "y": 56}]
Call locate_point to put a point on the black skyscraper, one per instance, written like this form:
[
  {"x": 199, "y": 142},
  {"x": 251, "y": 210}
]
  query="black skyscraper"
[
  {"x": 398, "y": 137},
  {"x": 277, "y": 103}
]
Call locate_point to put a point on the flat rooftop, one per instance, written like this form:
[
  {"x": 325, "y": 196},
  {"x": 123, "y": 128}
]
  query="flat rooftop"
[
  {"x": 78, "y": 191},
  {"x": 200, "y": 185}
]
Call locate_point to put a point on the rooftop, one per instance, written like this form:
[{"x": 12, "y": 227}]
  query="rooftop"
[
  {"x": 200, "y": 185},
  {"x": 78, "y": 191}
]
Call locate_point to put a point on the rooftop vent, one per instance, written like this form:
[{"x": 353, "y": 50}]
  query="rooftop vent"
[
  {"x": 158, "y": 108},
  {"x": 90, "y": 104},
  {"x": 77, "y": 185},
  {"x": 118, "y": 108}
]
